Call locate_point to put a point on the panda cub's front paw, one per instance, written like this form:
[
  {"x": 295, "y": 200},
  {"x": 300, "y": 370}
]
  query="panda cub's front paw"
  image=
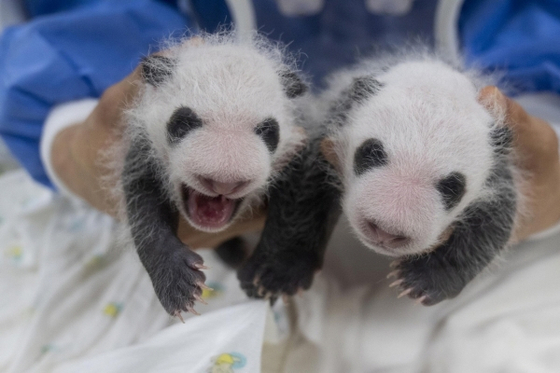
[
  {"x": 428, "y": 279},
  {"x": 178, "y": 281},
  {"x": 271, "y": 276}
]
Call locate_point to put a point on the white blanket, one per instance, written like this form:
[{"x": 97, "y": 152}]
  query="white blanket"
[{"x": 72, "y": 300}]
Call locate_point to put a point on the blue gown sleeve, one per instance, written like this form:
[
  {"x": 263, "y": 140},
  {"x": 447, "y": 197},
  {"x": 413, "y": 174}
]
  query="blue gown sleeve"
[
  {"x": 520, "y": 38},
  {"x": 70, "y": 55}
]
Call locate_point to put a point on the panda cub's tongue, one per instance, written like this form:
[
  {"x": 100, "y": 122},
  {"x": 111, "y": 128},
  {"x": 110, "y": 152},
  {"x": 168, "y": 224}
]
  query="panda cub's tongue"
[{"x": 210, "y": 212}]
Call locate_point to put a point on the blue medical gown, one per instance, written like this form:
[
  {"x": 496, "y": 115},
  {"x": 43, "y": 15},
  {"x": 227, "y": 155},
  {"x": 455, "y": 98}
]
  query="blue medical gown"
[
  {"x": 518, "y": 37},
  {"x": 75, "y": 53}
]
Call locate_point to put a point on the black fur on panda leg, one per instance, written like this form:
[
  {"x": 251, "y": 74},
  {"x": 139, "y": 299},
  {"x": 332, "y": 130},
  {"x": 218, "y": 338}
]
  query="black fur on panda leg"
[
  {"x": 302, "y": 211},
  {"x": 476, "y": 240},
  {"x": 233, "y": 252},
  {"x": 173, "y": 268}
]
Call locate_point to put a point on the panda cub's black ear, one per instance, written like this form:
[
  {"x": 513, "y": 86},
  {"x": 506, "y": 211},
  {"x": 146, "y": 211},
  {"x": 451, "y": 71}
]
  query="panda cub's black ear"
[
  {"x": 293, "y": 85},
  {"x": 155, "y": 69},
  {"x": 362, "y": 88},
  {"x": 502, "y": 140}
]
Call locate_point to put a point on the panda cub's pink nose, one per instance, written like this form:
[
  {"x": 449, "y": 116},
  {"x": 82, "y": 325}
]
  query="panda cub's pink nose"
[
  {"x": 384, "y": 238},
  {"x": 222, "y": 188}
]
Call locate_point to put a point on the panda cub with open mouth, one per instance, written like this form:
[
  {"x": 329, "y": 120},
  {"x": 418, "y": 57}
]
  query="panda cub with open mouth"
[
  {"x": 427, "y": 171},
  {"x": 213, "y": 125}
]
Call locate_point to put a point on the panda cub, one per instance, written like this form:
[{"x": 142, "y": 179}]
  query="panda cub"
[
  {"x": 213, "y": 125},
  {"x": 426, "y": 171}
]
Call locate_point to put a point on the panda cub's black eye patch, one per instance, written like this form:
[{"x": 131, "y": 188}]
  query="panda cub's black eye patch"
[
  {"x": 452, "y": 189},
  {"x": 182, "y": 121},
  {"x": 369, "y": 155},
  {"x": 269, "y": 131}
]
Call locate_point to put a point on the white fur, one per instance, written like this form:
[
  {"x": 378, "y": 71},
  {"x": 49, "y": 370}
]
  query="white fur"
[
  {"x": 232, "y": 83},
  {"x": 430, "y": 122}
]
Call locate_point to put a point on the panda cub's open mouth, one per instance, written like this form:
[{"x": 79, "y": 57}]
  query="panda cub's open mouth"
[{"x": 208, "y": 212}]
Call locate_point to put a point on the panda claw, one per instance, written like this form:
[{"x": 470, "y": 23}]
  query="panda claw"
[
  {"x": 421, "y": 299},
  {"x": 256, "y": 280},
  {"x": 178, "y": 314},
  {"x": 192, "y": 310},
  {"x": 394, "y": 264},
  {"x": 406, "y": 292},
  {"x": 394, "y": 273},
  {"x": 199, "y": 298},
  {"x": 396, "y": 283},
  {"x": 203, "y": 286}
]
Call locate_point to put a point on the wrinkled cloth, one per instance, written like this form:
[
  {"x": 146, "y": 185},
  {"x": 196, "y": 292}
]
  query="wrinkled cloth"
[
  {"x": 506, "y": 320},
  {"x": 76, "y": 299}
]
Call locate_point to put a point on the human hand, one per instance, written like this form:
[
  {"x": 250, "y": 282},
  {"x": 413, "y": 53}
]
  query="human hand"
[
  {"x": 536, "y": 146},
  {"x": 77, "y": 150}
]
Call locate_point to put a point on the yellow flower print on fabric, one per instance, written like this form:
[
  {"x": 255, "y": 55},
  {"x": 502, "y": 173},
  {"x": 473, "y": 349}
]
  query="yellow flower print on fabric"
[
  {"x": 112, "y": 309},
  {"x": 226, "y": 363},
  {"x": 96, "y": 262},
  {"x": 14, "y": 252},
  {"x": 215, "y": 290}
]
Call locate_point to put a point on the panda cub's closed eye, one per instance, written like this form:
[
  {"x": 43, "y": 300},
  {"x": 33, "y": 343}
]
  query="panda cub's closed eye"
[
  {"x": 182, "y": 121},
  {"x": 269, "y": 131},
  {"x": 452, "y": 189},
  {"x": 369, "y": 155}
]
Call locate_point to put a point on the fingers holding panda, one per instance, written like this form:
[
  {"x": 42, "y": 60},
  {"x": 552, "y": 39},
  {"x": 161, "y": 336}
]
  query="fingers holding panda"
[
  {"x": 534, "y": 138},
  {"x": 536, "y": 147}
]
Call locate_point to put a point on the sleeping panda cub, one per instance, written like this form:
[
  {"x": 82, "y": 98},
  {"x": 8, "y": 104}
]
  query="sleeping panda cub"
[
  {"x": 427, "y": 171},
  {"x": 213, "y": 125}
]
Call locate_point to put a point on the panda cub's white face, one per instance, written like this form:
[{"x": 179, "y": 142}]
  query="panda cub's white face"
[
  {"x": 413, "y": 156},
  {"x": 221, "y": 122}
]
